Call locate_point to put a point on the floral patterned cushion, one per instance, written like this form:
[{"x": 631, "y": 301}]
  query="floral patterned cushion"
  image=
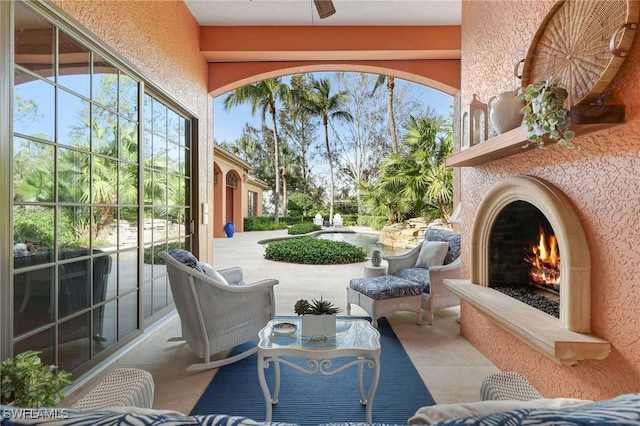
[
  {"x": 418, "y": 275},
  {"x": 452, "y": 237},
  {"x": 385, "y": 287}
]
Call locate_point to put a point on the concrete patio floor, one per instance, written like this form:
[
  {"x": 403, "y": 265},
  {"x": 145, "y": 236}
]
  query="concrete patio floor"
[{"x": 450, "y": 366}]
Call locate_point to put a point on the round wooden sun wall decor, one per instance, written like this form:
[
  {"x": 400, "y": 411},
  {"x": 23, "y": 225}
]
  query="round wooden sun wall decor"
[{"x": 583, "y": 43}]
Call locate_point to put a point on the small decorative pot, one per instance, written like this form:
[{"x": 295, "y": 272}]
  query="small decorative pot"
[
  {"x": 376, "y": 257},
  {"x": 504, "y": 111},
  {"x": 229, "y": 229},
  {"x": 318, "y": 326}
]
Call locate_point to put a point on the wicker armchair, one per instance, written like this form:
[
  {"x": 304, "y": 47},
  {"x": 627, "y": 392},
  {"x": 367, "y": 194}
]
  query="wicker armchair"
[
  {"x": 437, "y": 296},
  {"x": 217, "y": 310}
]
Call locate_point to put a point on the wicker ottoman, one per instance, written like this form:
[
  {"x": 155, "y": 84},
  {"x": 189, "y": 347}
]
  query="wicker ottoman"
[
  {"x": 383, "y": 295},
  {"x": 125, "y": 387},
  {"x": 507, "y": 385}
]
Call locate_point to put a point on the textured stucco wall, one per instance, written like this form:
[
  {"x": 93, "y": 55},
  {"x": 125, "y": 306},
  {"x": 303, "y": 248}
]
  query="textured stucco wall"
[
  {"x": 161, "y": 39},
  {"x": 603, "y": 182}
]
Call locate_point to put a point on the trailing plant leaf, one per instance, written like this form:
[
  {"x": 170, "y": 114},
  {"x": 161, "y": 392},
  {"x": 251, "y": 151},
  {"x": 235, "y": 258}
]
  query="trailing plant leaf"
[
  {"x": 27, "y": 383},
  {"x": 544, "y": 113}
]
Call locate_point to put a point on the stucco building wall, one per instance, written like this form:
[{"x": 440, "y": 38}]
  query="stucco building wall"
[
  {"x": 602, "y": 180},
  {"x": 161, "y": 39}
]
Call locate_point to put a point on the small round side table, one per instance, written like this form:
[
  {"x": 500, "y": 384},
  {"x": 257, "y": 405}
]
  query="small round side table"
[{"x": 371, "y": 271}]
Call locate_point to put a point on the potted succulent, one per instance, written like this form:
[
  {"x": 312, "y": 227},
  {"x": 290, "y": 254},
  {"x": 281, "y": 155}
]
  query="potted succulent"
[
  {"x": 544, "y": 113},
  {"x": 28, "y": 383},
  {"x": 318, "y": 318}
]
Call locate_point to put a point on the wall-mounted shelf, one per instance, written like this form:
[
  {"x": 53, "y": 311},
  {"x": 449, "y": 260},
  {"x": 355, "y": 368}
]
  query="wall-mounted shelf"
[{"x": 584, "y": 119}]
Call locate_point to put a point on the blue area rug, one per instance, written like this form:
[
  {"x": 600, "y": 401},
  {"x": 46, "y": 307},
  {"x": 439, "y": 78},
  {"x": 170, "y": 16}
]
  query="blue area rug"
[{"x": 314, "y": 399}]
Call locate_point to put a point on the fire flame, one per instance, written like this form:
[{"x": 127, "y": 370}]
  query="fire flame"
[{"x": 545, "y": 262}]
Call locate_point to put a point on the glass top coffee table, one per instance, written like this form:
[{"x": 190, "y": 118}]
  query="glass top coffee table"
[{"x": 354, "y": 338}]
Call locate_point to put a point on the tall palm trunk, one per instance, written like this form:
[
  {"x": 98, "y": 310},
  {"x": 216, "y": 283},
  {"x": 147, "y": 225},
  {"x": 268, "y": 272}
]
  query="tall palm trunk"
[
  {"x": 276, "y": 143},
  {"x": 331, "y": 185},
  {"x": 392, "y": 120},
  {"x": 284, "y": 191}
]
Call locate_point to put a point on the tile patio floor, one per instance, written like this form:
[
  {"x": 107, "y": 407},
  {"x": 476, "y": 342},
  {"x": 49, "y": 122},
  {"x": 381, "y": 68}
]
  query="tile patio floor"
[{"x": 450, "y": 366}]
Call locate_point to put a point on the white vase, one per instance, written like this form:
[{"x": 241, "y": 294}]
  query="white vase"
[
  {"x": 504, "y": 111},
  {"x": 318, "y": 325}
]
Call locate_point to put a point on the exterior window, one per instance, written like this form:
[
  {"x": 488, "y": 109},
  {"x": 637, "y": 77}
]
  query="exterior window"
[
  {"x": 252, "y": 203},
  {"x": 167, "y": 147},
  {"x": 87, "y": 196}
]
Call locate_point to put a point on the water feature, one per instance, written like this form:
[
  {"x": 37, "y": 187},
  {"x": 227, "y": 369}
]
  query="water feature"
[{"x": 367, "y": 241}]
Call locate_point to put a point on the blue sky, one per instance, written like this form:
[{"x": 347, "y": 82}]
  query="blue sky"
[{"x": 227, "y": 125}]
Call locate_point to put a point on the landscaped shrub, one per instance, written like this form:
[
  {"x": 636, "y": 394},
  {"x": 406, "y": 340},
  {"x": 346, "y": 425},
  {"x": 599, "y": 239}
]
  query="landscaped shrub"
[
  {"x": 375, "y": 222},
  {"x": 314, "y": 251},
  {"x": 267, "y": 223},
  {"x": 303, "y": 228}
]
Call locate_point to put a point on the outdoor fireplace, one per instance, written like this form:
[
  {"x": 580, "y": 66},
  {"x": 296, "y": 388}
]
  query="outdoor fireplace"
[
  {"x": 512, "y": 219},
  {"x": 524, "y": 257}
]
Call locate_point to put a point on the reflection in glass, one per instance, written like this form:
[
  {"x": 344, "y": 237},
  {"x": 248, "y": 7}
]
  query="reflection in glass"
[
  {"x": 160, "y": 291},
  {"x": 173, "y": 157},
  {"x": 173, "y": 126},
  {"x": 43, "y": 342},
  {"x": 73, "y": 342},
  {"x": 128, "y": 187},
  {"x": 105, "y": 316},
  {"x": 34, "y": 227},
  {"x": 73, "y": 227},
  {"x": 73, "y": 176},
  {"x": 74, "y": 65},
  {"x": 147, "y": 145},
  {"x": 111, "y": 287},
  {"x": 104, "y": 126},
  {"x": 33, "y": 165},
  {"x": 105, "y": 82},
  {"x": 33, "y": 106},
  {"x": 148, "y": 113},
  {"x": 128, "y": 271},
  {"x": 32, "y": 295},
  {"x": 34, "y": 42},
  {"x": 127, "y": 315},
  {"x": 128, "y": 140},
  {"x": 104, "y": 183},
  {"x": 159, "y": 155},
  {"x": 159, "y": 118},
  {"x": 128, "y": 105},
  {"x": 147, "y": 300},
  {"x": 73, "y": 122},
  {"x": 74, "y": 288},
  {"x": 128, "y": 228}
]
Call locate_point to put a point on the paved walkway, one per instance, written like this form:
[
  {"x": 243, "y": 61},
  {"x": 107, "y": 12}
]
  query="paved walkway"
[{"x": 296, "y": 281}]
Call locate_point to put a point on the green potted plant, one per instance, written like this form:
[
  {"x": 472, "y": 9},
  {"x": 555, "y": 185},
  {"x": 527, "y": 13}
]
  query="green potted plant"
[
  {"x": 544, "y": 113},
  {"x": 28, "y": 383},
  {"x": 318, "y": 318}
]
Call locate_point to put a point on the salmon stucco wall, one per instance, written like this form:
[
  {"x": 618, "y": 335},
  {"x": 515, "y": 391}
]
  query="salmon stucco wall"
[
  {"x": 161, "y": 39},
  {"x": 602, "y": 180}
]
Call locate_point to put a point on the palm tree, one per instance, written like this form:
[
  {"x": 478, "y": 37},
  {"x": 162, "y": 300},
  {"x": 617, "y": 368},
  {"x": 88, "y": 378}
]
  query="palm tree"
[
  {"x": 264, "y": 96},
  {"x": 320, "y": 102},
  {"x": 419, "y": 178},
  {"x": 390, "y": 80}
]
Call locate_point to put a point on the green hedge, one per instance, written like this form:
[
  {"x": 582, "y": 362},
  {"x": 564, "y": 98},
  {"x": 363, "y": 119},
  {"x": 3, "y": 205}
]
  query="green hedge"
[
  {"x": 314, "y": 251},
  {"x": 303, "y": 228}
]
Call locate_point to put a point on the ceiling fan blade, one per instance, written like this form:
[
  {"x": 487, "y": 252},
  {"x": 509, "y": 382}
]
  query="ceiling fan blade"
[{"x": 325, "y": 8}]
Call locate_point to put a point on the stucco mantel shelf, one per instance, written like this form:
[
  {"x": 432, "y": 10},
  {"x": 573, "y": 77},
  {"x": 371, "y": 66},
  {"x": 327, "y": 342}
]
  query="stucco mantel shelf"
[
  {"x": 534, "y": 327},
  {"x": 584, "y": 118}
]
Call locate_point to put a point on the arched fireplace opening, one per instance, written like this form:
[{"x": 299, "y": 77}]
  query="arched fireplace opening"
[
  {"x": 524, "y": 257},
  {"x": 509, "y": 198}
]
